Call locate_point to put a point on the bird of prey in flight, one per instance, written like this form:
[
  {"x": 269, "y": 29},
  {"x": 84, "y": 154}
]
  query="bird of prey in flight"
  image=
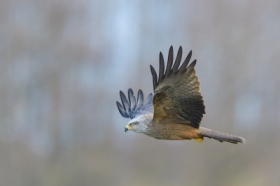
[{"x": 176, "y": 109}]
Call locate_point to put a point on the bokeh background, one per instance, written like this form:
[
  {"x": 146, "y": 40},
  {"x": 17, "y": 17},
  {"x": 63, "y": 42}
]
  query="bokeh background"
[{"x": 64, "y": 62}]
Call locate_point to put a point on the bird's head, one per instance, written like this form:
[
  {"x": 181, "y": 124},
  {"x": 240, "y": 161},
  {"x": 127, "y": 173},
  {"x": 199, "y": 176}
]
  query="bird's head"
[{"x": 138, "y": 124}]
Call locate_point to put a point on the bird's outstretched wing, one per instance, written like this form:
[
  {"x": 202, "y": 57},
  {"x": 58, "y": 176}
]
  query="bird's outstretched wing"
[
  {"x": 177, "y": 98},
  {"x": 131, "y": 108}
]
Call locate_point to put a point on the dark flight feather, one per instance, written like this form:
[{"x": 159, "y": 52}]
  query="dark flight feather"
[
  {"x": 178, "y": 59},
  {"x": 186, "y": 62},
  {"x": 154, "y": 74},
  {"x": 169, "y": 62},
  {"x": 161, "y": 67}
]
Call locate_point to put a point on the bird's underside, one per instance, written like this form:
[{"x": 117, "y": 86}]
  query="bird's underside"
[
  {"x": 173, "y": 131},
  {"x": 177, "y": 131},
  {"x": 177, "y": 107}
]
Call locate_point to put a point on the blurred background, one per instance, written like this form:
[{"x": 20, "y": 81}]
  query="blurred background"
[{"x": 64, "y": 62}]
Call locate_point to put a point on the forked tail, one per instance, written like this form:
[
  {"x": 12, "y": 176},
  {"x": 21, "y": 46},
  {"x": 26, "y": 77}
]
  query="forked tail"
[{"x": 204, "y": 132}]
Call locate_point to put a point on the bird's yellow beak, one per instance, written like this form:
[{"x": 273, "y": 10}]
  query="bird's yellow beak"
[{"x": 127, "y": 127}]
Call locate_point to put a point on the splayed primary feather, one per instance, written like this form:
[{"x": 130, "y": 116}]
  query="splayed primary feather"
[{"x": 130, "y": 108}]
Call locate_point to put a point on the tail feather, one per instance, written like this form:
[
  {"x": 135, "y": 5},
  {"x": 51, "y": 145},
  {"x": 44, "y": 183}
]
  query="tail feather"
[{"x": 204, "y": 132}]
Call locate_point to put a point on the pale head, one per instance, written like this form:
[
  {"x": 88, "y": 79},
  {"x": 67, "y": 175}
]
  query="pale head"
[{"x": 139, "y": 124}]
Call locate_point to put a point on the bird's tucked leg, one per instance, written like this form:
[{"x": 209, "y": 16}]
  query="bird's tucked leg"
[{"x": 199, "y": 139}]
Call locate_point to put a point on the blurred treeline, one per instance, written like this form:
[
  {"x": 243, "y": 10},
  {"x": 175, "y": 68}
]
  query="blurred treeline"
[{"x": 64, "y": 62}]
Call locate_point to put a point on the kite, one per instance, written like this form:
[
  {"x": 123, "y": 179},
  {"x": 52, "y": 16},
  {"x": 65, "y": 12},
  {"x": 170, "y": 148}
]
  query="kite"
[{"x": 177, "y": 107}]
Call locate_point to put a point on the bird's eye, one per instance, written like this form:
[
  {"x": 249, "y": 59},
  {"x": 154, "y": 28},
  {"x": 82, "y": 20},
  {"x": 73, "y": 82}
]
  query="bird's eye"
[{"x": 134, "y": 123}]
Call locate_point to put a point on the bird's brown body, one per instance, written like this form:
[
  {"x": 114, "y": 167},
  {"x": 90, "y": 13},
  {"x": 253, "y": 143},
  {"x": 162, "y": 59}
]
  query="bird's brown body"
[
  {"x": 169, "y": 131},
  {"x": 172, "y": 132}
]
